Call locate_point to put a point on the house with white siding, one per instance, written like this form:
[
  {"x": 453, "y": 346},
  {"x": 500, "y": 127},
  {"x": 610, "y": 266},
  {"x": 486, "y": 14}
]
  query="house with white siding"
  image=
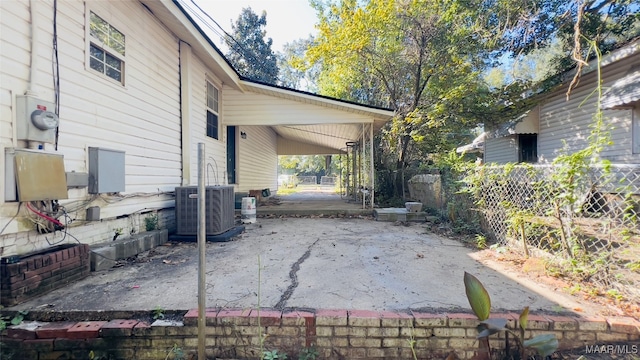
[
  {"x": 103, "y": 105},
  {"x": 558, "y": 125}
]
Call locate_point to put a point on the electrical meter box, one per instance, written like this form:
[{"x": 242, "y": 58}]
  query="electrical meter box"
[
  {"x": 106, "y": 171},
  {"x": 36, "y": 119}
]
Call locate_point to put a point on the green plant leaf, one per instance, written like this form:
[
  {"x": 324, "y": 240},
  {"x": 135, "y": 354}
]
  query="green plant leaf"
[
  {"x": 524, "y": 318},
  {"x": 478, "y": 296},
  {"x": 545, "y": 344}
]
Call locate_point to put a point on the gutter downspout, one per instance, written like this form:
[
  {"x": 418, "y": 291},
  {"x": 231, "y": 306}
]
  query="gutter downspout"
[
  {"x": 185, "y": 57},
  {"x": 35, "y": 38}
]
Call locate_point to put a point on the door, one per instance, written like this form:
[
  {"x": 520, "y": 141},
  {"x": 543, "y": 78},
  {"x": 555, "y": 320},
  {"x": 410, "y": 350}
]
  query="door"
[{"x": 231, "y": 154}]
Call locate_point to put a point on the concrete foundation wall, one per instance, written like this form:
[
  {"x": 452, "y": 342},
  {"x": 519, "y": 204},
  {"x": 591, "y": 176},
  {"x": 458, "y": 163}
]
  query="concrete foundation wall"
[
  {"x": 427, "y": 188},
  {"x": 89, "y": 233},
  {"x": 334, "y": 334}
]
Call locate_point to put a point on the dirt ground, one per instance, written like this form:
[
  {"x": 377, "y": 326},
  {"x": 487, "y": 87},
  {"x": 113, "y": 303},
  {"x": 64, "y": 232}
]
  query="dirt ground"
[{"x": 313, "y": 262}]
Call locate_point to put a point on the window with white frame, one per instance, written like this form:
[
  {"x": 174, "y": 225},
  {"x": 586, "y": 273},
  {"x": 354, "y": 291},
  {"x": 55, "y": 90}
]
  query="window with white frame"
[
  {"x": 106, "y": 48},
  {"x": 212, "y": 111}
]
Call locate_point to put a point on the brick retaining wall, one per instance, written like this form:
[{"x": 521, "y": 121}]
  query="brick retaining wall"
[
  {"x": 336, "y": 334},
  {"x": 36, "y": 274}
]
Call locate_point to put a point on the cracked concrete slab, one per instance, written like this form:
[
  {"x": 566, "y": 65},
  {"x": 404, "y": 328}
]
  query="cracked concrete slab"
[{"x": 350, "y": 263}]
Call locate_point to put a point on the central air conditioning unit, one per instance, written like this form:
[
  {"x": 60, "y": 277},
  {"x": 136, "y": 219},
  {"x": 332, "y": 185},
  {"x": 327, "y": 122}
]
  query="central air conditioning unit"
[{"x": 220, "y": 209}]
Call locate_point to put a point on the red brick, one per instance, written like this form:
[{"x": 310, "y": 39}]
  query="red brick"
[
  {"x": 364, "y": 318},
  {"x": 16, "y": 278},
  {"x": 267, "y": 317},
  {"x": 12, "y": 269},
  {"x": 22, "y": 334},
  {"x": 429, "y": 319},
  {"x": 54, "y": 330},
  {"x": 537, "y": 322},
  {"x": 70, "y": 263},
  {"x": 237, "y": 317},
  {"x": 296, "y": 317},
  {"x": 391, "y": 318},
  {"x": 625, "y": 325},
  {"x": 85, "y": 330},
  {"x": 118, "y": 328},
  {"x": 563, "y": 322},
  {"x": 331, "y": 317},
  {"x": 462, "y": 320}
]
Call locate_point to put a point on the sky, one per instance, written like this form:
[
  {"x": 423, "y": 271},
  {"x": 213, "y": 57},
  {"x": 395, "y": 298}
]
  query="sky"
[{"x": 287, "y": 20}]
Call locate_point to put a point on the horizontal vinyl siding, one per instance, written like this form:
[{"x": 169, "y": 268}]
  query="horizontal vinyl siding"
[
  {"x": 501, "y": 150},
  {"x": 565, "y": 125},
  {"x": 257, "y": 159},
  {"x": 141, "y": 118},
  {"x": 216, "y": 150},
  {"x": 259, "y": 109}
]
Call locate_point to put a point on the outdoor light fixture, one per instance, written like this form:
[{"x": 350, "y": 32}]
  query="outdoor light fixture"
[{"x": 243, "y": 134}]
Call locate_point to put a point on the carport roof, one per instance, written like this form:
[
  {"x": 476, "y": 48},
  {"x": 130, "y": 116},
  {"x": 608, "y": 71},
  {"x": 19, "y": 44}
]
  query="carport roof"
[
  {"x": 324, "y": 132},
  {"x": 327, "y": 135}
]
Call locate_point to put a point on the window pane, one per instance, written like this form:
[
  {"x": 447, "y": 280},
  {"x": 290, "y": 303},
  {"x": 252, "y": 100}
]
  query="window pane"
[
  {"x": 113, "y": 62},
  {"x": 212, "y": 125},
  {"x": 96, "y": 64},
  {"x": 215, "y": 100},
  {"x": 119, "y": 47},
  {"x": 116, "y": 41},
  {"x": 96, "y": 52},
  {"x": 113, "y": 73}
]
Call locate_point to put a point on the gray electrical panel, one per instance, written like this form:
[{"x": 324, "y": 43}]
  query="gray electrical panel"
[{"x": 106, "y": 171}]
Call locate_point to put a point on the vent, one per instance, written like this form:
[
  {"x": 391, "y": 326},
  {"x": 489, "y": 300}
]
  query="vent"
[{"x": 220, "y": 211}]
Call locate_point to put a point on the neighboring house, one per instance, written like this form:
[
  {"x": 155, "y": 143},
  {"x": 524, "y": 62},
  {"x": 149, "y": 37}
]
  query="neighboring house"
[
  {"x": 140, "y": 85},
  {"x": 558, "y": 124}
]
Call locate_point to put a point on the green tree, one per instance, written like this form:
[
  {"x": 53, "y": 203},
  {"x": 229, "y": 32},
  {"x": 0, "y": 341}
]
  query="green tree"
[
  {"x": 249, "y": 53},
  {"x": 294, "y": 73},
  {"x": 421, "y": 58}
]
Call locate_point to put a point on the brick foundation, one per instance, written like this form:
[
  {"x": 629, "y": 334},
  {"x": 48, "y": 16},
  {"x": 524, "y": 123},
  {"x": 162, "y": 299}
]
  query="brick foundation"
[
  {"x": 39, "y": 273},
  {"x": 336, "y": 334}
]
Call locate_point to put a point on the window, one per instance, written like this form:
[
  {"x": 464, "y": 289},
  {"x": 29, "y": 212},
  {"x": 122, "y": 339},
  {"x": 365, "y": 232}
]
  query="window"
[
  {"x": 528, "y": 148},
  {"x": 212, "y": 111},
  {"x": 106, "y": 48}
]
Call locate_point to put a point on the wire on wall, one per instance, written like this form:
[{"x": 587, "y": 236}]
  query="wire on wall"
[{"x": 56, "y": 68}]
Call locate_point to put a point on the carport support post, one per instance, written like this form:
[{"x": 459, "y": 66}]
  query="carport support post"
[
  {"x": 202, "y": 241},
  {"x": 371, "y": 165}
]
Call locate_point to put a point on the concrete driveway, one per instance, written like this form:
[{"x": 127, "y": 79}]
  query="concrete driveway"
[{"x": 348, "y": 263}]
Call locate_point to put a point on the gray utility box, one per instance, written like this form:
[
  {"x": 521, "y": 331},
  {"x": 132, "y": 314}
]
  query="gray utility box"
[
  {"x": 106, "y": 171},
  {"x": 36, "y": 119}
]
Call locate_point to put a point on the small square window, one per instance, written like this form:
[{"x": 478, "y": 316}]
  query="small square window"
[{"x": 106, "y": 48}]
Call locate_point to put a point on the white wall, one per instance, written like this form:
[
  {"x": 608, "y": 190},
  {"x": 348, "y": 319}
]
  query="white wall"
[
  {"x": 141, "y": 118},
  {"x": 501, "y": 150},
  {"x": 257, "y": 159},
  {"x": 568, "y": 122},
  {"x": 216, "y": 150}
]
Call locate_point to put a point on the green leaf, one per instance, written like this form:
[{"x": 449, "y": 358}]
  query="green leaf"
[
  {"x": 478, "y": 296},
  {"x": 545, "y": 344},
  {"x": 524, "y": 318}
]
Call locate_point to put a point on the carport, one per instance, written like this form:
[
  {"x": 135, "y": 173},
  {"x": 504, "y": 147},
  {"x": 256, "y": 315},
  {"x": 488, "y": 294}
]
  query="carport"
[{"x": 292, "y": 122}]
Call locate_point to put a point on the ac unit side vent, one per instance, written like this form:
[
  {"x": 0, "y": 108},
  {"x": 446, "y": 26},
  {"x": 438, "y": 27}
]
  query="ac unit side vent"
[{"x": 220, "y": 209}]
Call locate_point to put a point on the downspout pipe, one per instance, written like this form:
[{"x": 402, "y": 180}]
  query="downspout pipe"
[
  {"x": 185, "y": 110},
  {"x": 35, "y": 39}
]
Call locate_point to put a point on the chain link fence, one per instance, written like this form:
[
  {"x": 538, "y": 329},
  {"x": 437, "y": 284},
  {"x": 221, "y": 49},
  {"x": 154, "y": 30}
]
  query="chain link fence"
[{"x": 583, "y": 221}]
